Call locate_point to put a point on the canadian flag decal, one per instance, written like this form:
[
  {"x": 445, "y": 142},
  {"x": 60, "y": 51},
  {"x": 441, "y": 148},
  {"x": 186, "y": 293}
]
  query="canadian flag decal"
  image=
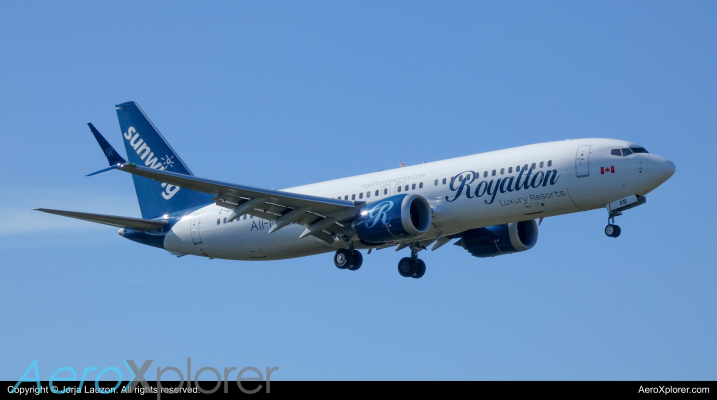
[{"x": 607, "y": 170}]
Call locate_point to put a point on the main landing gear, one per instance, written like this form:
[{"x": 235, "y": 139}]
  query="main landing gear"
[
  {"x": 348, "y": 258},
  {"x": 412, "y": 267},
  {"x": 408, "y": 267}
]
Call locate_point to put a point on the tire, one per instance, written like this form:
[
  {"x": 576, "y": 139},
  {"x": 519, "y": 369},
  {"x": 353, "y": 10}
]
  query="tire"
[
  {"x": 357, "y": 260},
  {"x": 618, "y": 231},
  {"x": 610, "y": 230},
  {"x": 406, "y": 267},
  {"x": 343, "y": 259},
  {"x": 420, "y": 269}
]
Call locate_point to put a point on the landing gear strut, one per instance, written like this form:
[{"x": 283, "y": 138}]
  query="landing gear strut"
[
  {"x": 348, "y": 258},
  {"x": 612, "y": 230},
  {"x": 616, "y": 207},
  {"x": 412, "y": 267}
]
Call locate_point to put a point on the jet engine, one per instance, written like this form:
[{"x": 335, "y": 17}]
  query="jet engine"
[
  {"x": 393, "y": 218},
  {"x": 497, "y": 240}
]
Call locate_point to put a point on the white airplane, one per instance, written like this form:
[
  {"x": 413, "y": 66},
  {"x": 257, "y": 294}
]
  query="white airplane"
[{"x": 488, "y": 201}]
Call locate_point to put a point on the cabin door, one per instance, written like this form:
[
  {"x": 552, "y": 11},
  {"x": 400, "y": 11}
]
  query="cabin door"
[{"x": 582, "y": 161}]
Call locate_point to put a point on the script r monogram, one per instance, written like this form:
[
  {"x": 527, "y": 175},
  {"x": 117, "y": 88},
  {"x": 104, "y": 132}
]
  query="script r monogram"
[{"x": 378, "y": 212}]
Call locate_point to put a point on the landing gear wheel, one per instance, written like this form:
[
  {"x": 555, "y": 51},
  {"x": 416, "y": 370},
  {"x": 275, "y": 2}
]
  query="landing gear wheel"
[
  {"x": 612, "y": 230},
  {"x": 356, "y": 260},
  {"x": 420, "y": 269},
  {"x": 407, "y": 267},
  {"x": 343, "y": 258}
]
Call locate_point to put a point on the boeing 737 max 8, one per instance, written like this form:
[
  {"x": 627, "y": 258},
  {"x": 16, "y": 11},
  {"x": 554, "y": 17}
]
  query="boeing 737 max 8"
[{"x": 487, "y": 201}]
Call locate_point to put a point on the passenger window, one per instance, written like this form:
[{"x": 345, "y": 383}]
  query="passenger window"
[
  {"x": 420, "y": 185},
  {"x": 532, "y": 166},
  {"x": 517, "y": 169},
  {"x": 510, "y": 170},
  {"x": 225, "y": 220},
  {"x": 251, "y": 216},
  {"x": 385, "y": 191},
  {"x": 406, "y": 188},
  {"x": 550, "y": 163},
  {"x": 346, "y": 197},
  {"x": 436, "y": 183},
  {"x": 398, "y": 189},
  {"x": 353, "y": 197},
  {"x": 413, "y": 187},
  {"x": 368, "y": 194},
  {"x": 616, "y": 152},
  {"x": 626, "y": 152},
  {"x": 453, "y": 179},
  {"x": 376, "y": 193},
  {"x": 444, "y": 181},
  {"x": 244, "y": 216},
  {"x": 541, "y": 164},
  {"x": 460, "y": 178},
  {"x": 485, "y": 174},
  {"x": 525, "y": 167},
  {"x": 361, "y": 195},
  {"x": 493, "y": 174},
  {"x": 502, "y": 171},
  {"x": 219, "y": 221}
]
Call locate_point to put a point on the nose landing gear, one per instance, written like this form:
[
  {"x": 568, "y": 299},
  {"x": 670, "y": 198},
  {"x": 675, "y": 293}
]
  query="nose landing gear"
[
  {"x": 612, "y": 230},
  {"x": 615, "y": 209}
]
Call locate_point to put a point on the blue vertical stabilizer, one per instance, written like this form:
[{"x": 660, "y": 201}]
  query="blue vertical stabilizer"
[{"x": 147, "y": 147}]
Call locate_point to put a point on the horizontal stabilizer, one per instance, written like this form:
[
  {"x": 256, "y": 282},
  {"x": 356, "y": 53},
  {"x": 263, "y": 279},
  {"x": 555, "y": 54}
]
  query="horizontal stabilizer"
[{"x": 121, "y": 222}]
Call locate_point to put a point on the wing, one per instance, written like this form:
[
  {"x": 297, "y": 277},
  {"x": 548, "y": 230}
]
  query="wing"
[
  {"x": 121, "y": 222},
  {"x": 322, "y": 217}
]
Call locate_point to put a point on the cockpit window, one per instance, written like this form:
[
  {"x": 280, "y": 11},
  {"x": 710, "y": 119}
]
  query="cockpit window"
[{"x": 627, "y": 151}]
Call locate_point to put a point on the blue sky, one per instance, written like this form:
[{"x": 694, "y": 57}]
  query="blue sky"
[{"x": 277, "y": 95}]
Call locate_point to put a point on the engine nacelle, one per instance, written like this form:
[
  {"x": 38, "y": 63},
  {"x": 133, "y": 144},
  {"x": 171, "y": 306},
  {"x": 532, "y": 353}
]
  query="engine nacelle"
[
  {"x": 497, "y": 240},
  {"x": 397, "y": 217}
]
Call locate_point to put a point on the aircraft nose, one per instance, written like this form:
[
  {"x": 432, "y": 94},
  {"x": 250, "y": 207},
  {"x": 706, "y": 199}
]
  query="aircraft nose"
[{"x": 659, "y": 169}]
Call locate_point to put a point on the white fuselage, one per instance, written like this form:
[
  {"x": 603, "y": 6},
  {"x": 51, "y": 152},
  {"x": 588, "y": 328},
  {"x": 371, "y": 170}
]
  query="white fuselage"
[{"x": 464, "y": 193}]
